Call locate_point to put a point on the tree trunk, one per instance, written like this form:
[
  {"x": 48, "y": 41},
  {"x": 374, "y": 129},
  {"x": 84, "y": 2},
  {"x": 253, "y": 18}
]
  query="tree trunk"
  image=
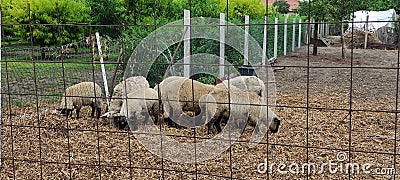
[{"x": 315, "y": 36}]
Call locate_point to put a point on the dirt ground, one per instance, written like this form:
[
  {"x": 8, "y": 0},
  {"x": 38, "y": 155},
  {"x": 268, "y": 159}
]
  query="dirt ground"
[{"x": 329, "y": 106}]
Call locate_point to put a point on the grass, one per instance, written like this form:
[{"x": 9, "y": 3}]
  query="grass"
[{"x": 49, "y": 76}]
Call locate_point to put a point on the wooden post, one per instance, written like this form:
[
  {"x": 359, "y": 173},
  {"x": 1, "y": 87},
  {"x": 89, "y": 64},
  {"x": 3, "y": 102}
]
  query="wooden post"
[
  {"x": 222, "y": 24},
  {"x": 186, "y": 44},
  {"x": 366, "y": 33},
  {"x": 246, "y": 40}
]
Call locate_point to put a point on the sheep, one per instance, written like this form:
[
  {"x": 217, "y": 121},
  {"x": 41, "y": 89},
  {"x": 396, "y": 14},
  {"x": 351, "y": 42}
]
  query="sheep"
[
  {"x": 248, "y": 83},
  {"x": 130, "y": 84},
  {"x": 167, "y": 81},
  {"x": 242, "y": 106},
  {"x": 159, "y": 88},
  {"x": 182, "y": 95},
  {"x": 138, "y": 106},
  {"x": 82, "y": 94}
]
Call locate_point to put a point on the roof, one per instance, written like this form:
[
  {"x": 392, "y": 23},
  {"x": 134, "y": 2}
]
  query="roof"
[
  {"x": 293, "y": 3},
  {"x": 376, "y": 19}
]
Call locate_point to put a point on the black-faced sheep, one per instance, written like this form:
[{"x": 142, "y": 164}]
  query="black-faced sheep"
[
  {"x": 248, "y": 83},
  {"x": 82, "y": 94},
  {"x": 138, "y": 107},
  {"x": 160, "y": 88},
  {"x": 242, "y": 106},
  {"x": 183, "y": 95}
]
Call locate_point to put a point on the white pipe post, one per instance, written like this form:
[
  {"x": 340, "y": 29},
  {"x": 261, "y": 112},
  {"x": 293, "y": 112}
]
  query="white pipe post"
[
  {"x": 366, "y": 33},
  {"x": 294, "y": 34},
  {"x": 326, "y": 29},
  {"x": 312, "y": 30},
  {"x": 186, "y": 44},
  {"x": 276, "y": 39},
  {"x": 285, "y": 36},
  {"x": 308, "y": 33},
  {"x": 264, "y": 55},
  {"x": 222, "y": 44},
  {"x": 299, "y": 40},
  {"x": 320, "y": 30},
  {"x": 246, "y": 40},
  {"x": 103, "y": 69}
]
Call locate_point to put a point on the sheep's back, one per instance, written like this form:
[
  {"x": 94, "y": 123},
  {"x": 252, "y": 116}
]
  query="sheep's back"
[
  {"x": 130, "y": 84},
  {"x": 84, "y": 94},
  {"x": 248, "y": 83},
  {"x": 138, "y": 100}
]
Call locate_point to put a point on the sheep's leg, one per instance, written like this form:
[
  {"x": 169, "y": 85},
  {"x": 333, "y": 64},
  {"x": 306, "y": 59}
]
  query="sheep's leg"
[
  {"x": 176, "y": 124},
  {"x": 214, "y": 122},
  {"x": 98, "y": 111},
  {"x": 218, "y": 124},
  {"x": 93, "y": 109},
  {"x": 210, "y": 126},
  {"x": 146, "y": 118},
  {"x": 68, "y": 112},
  {"x": 155, "y": 117},
  {"x": 133, "y": 119},
  {"x": 257, "y": 128},
  {"x": 77, "y": 113},
  {"x": 242, "y": 126}
]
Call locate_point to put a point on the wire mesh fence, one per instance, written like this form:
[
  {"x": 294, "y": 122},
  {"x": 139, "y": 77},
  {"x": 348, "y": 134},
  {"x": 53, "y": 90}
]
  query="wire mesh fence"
[{"x": 339, "y": 115}]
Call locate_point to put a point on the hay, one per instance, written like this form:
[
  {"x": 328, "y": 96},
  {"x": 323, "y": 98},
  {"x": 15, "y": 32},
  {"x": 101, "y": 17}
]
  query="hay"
[{"x": 76, "y": 152}]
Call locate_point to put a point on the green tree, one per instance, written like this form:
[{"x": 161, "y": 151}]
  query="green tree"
[
  {"x": 396, "y": 6},
  {"x": 198, "y": 8},
  {"x": 237, "y": 9},
  {"x": 44, "y": 15},
  {"x": 339, "y": 10},
  {"x": 281, "y": 6},
  {"x": 111, "y": 13}
]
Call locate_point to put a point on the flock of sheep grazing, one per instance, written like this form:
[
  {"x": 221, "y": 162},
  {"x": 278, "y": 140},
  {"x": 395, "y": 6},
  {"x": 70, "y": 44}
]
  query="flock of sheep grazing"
[{"x": 178, "y": 101}]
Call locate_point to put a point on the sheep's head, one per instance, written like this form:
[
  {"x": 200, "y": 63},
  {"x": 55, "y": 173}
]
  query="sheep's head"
[
  {"x": 120, "y": 122},
  {"x": 65, "y": 111},
  {"x": 274, "y": 126}
]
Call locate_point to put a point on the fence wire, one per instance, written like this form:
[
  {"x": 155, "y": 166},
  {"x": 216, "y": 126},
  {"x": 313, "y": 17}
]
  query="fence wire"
[{"x": 339, "y": 114}]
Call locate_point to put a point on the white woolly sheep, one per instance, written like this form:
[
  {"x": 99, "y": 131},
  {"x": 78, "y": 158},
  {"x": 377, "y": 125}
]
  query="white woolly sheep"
[
  {"x": 82, "y": 94},
  {"x": 167, "y": 81},
  {"x": 244, "y": 107},
  {"x": 248, "y": 83},
  {"x": 130, "y": 84},
  {"x": 183, "y": 95},
  {"x": 138, "y": 106},
  {"x": 161, "y": 86}
]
